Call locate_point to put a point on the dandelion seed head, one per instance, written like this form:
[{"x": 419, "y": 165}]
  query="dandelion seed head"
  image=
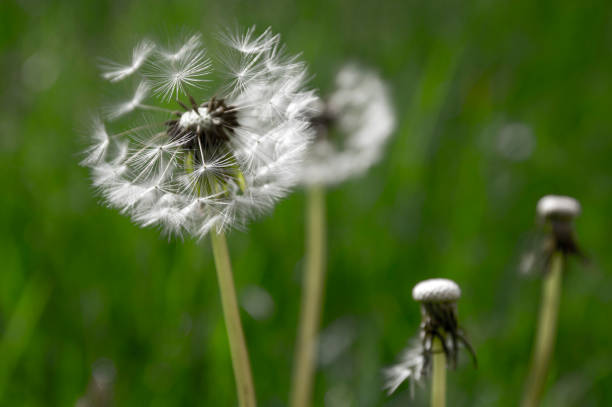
[
  {"x": 192, "y": 162},
  {"x": 353, "y": 125},
  {"x": 558, "y": 206}
]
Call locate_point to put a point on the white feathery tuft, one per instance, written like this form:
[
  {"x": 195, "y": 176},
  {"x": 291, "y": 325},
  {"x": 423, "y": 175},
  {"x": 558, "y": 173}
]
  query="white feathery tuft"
[
  {"x": 246, "y": 42},
  {"x": 356, "y": 122},
  {"x": 174, "y": 73},
  {"x": 140, "y": 94},
  {"x": 115, "y": 72},
  {"x": 193, "y": 43},
  {"x": 210, "y": 162},
  {"x": 410, "y": 367},
  {"x": 97, "y": 151}
]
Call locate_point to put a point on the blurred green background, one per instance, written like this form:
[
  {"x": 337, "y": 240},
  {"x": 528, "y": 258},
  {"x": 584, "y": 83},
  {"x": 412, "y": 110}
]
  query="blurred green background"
[{"x": 498, "y": 103}]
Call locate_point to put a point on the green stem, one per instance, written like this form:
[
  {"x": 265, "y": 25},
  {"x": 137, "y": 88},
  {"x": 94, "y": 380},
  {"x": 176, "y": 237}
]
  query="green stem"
[
  {"x": 438, "y": 381},
  {"x": 238, "y": 349},
  {"x": 312, "y": 298},
  {"x": 545, "y": 336}
]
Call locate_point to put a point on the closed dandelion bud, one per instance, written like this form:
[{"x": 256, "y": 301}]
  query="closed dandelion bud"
[
  {"x": 188, "y": 159},
  {"x": 352, "y": 127},
  {"x": 438, "y": 298}
]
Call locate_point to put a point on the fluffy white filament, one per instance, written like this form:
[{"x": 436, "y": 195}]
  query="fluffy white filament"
[
  {"x": 363, "y": 120},
  {"x": 410, "y": 367},
  {"x": 148, "y": 172},
  {"x": 115, "y": 72}
]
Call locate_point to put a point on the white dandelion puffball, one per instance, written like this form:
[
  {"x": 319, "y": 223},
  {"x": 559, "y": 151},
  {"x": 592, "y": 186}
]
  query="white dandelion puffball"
[
  {"x": 557, "y": 205},
  {"x": 436, "y": 290},
  {"x": 352, "y": 128},
  {"x": 192, "y": 160}
]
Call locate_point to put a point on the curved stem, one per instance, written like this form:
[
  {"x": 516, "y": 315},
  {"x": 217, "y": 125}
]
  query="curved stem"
[
  {"x": 438, "y": 381},
  {"x": 238, "y": 348},
  {"x": 546, "y": 333},
  {"x": 312, "y": 298}
]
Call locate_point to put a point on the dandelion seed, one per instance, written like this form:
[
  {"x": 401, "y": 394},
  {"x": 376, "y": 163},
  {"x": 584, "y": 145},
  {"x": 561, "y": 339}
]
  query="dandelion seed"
[
  {"x": 115, "y": 72},
  {"x": 193, "y": 43},
  {"x": 97, "y": 151},
  {"x": 246, "y": 43},
  {"x": 140, "y": 94},
  {"x": 186, "y": 69},
  {"x": 212, "y": 162},
  {"x": 105, "y": 173},
  {"x": 410, "y": 367}
]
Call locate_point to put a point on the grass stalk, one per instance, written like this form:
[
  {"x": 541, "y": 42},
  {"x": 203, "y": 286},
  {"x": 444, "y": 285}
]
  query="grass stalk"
[
  {"x": 312, "y": 298},
  {"x": 546, "y": 333},
  {"x": 238, "y": 348}
]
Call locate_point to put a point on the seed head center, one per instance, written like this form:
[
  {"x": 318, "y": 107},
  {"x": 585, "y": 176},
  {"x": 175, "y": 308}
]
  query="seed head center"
[{"x": 199, "y": 118}]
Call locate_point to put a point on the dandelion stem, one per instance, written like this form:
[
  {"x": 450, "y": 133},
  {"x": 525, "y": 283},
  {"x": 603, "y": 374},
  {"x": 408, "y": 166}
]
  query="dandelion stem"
[
  {"x": 312, "y": 297},
  {"x": 438, "y": 381},
  {"x": 547, "y": 330},
  {"x": 238, "y": 348}
]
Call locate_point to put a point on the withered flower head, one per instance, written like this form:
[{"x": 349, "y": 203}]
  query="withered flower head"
[
  {"x": 438, "y": 298},
  {"x": 555, "y": 233}
]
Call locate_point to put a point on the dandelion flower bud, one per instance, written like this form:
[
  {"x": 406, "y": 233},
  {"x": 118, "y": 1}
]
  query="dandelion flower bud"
[
  {"x": 352, "y": 127},
  {"x": 190, "y": 160},
  {"x": 558, "y": 206}
]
